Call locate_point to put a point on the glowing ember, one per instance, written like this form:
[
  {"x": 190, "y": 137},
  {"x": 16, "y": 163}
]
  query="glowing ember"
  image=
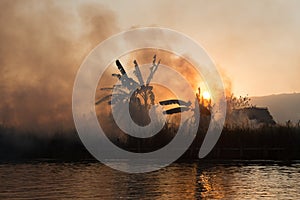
[{"x": 206, "y": 95}]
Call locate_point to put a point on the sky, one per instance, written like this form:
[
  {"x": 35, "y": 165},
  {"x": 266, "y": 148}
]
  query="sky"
[{"x": 255, "y": 44}]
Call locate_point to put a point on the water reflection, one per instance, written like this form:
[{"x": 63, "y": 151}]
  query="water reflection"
[{"x": 178, "y": 181}]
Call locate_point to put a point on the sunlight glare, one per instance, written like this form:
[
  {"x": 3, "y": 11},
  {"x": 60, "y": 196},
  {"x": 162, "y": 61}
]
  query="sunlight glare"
[{"x": 206, "y": 95}]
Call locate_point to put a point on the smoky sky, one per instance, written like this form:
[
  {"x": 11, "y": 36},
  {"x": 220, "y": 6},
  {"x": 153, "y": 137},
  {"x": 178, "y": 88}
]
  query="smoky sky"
[
  {"x": 42, "y": 44},
  {"x": 255, "y": 42}
]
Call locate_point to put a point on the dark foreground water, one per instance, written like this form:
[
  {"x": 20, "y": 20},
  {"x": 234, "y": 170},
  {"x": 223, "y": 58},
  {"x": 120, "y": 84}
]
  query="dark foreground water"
[{"x": 88, "y": 180}]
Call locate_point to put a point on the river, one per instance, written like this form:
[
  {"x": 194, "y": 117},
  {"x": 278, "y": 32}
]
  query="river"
[{"x": 195, "y": 180}]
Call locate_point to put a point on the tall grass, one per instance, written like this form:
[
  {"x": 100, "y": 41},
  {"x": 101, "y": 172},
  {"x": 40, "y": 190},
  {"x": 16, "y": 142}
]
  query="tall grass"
[{"x": 268, "y": 142}]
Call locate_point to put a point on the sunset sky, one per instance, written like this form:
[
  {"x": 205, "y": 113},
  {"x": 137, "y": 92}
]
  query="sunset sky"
[{"x": 255, "y": 45}]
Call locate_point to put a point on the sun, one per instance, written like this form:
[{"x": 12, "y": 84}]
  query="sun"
[{"x": 206, "y": 95}]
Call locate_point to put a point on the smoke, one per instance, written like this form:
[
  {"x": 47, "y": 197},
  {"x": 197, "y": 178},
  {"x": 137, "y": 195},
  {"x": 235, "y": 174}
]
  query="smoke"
[
  {"x": 42, "y": 45},
  {"x": 226, "y": 81}
]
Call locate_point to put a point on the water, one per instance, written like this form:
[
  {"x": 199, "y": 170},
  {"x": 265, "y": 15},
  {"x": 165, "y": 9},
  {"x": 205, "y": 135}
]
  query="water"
[{"x": 88, "y": 180}]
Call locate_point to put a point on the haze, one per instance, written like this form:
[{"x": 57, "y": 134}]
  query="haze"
[{"x": 255, "y": 45}]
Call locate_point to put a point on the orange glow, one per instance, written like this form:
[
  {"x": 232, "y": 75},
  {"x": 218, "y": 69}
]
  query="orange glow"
[{"x": 206, "y": 95}]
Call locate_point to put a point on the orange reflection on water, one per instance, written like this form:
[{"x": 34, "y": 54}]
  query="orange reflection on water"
[{"x": 178, "y": 181}]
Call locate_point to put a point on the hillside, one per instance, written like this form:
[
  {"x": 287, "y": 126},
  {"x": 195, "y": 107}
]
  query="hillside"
[{"x": 283, "y": 107}]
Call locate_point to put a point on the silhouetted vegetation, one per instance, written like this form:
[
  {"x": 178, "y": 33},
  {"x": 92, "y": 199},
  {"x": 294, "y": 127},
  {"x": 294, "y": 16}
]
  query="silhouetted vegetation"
[
  {"x": 271, "y": 143},
  {"x": 16, "y": 145},
  {"x": 268, "y": 142},
  {"x": 250, "y": 132}
]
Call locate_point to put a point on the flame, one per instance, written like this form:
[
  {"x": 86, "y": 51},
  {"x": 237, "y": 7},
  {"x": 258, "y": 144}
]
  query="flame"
[{"x": 206, "y": 95}]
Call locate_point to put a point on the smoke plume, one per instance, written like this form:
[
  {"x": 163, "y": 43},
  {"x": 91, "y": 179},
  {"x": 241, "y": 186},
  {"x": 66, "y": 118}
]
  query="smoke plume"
[{"x": 42, "y": 45}]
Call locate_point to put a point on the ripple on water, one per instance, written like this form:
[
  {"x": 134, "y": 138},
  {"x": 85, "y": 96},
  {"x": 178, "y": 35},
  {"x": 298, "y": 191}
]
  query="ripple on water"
[{"x": 178, "y": 181}]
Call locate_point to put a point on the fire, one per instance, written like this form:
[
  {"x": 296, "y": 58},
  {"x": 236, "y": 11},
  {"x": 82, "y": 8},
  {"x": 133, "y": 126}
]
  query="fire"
[{"x": 206, "y": 95}]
